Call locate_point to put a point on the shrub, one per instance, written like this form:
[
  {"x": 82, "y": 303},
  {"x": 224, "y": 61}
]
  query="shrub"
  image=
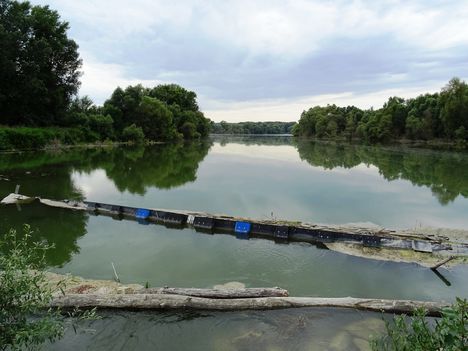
[
  {"x": 189, "y": 131},
  {"x": 460, "y": 133},
  {"x": 26, "y": 321},
  {"x": 450, "y": 332},
  {"x": 133, "y": 133},
  {"x": 23, "y": 138},
  {"x": 102, "y": 125},
  {"x": 23, "y": 293},
  {"x": 26, "y": 138}
]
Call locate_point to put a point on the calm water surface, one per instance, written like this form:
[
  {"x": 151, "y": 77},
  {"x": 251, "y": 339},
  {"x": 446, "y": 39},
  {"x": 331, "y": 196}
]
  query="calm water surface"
[
  {"x": 297, "y": 330},
  {"x": 254, "y": 177}
]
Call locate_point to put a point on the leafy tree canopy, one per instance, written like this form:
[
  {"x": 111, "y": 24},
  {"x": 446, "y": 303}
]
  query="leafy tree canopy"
[
  {"x": 163, "y": 112},
  {"x": 442, "y": 115},
  {"x": 39, "y": 65}
]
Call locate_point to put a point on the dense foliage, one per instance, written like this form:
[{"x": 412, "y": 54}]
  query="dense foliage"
[
  {"x": 32, "y": 138},
  {"x": 164, "y": 112},
  {"x": 24, "y": 293},
  {"x": 252, "y": 128},
  {"x": 38, "y": 65},
  {"x": 26, "y": 321},
  {"x": 450, "y": 333},
  {"x": 39, "y": 79},
  {"x": 441, "y": 115}
]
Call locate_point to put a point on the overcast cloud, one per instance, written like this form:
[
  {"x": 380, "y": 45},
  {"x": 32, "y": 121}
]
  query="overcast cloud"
[{"x": 269, "y": 60}]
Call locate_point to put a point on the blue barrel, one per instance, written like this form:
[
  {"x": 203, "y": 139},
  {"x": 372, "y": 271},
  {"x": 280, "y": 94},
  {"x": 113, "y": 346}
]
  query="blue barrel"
[
  {"x": 142, "y": 213},
  {"x": 242, "y": 227}
]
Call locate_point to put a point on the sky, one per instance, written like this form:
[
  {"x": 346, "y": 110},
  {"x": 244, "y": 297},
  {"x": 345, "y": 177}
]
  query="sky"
[{"x": 269, "y": 60}]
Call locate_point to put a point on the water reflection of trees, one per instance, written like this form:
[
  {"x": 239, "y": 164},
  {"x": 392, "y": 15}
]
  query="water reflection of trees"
[
  {"x": 49, "y": 175},
  {"x": 253, "y": 139},
  {"x": 161, "y": 166},
  {"x": 131, "y": 169},
  {"x": 445, "y": 173},
  {"x": 58, "y": 227}
]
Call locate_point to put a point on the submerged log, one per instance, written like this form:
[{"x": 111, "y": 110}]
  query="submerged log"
[
  {"x": 166, "y": 301},
  {"x": 218, "y": 293}
]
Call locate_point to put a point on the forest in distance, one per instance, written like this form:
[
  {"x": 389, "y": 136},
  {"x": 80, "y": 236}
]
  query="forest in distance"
[{"x": 247, "y": 128}]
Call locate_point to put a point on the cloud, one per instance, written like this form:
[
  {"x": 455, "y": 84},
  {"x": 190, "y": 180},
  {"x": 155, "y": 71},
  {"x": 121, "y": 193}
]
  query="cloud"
[
  {"x": 291, "y": 109},
  {"x": 242, "y": 53},
  {"x": 99, "y": 79}
]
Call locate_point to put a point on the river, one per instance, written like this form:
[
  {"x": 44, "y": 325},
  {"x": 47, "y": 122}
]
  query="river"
[{"x": 257, "y": 177}]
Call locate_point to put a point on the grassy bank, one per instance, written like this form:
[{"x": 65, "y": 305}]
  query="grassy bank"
[{"x": 26, "y": 138}]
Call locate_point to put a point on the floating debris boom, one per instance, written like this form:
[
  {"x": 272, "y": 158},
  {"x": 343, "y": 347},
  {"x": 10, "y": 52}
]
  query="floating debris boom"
[{"x": 379, "y": 243}]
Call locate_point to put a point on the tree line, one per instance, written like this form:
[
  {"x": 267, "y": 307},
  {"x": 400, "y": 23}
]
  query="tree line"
[
  {"x": 224, "y": 127},
  {"x": 442, "y": 115},
  {"x": 39, "y": 81}
]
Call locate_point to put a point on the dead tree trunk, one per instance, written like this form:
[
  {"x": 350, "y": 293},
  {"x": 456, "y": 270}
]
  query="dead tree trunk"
[
  {"x": 165, "y": 302},
  {"x": 218, "y": 293}
]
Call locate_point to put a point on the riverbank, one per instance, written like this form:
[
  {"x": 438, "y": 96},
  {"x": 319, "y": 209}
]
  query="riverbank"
[
  {"x": 14, "y": 139},
  {"x": 25, "y": 138},
  {"x": 54, "y": 138}
]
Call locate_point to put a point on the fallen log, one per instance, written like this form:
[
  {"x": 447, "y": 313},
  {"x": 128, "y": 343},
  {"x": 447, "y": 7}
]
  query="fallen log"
[
  {"x": 235, "y": 293},
  {"x": 166, "y": 301}
]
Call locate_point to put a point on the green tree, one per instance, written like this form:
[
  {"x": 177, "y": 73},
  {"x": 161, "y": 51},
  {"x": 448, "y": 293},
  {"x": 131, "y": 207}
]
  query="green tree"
[
  {"x": 103, "y": 125},
  {"x": 38, "y": 65},
  {"x": 173, "y": 94},
  {"x": 414, "y": 127},
  {"x": 454, "y": 106},
  {"x": 189, "y": 130},
  {"x": 395, "y": 108},
  {"x": 159, "y": 110},
  {"x": 424, "y": 117},
  {"x": 155, "y": 119},
  {"x": 133, "y": 133},
  {"x": 224, "y": 127}
]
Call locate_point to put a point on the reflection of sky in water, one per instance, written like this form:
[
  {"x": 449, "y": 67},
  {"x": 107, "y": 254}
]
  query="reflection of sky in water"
[{"x": 257, "y": 180}]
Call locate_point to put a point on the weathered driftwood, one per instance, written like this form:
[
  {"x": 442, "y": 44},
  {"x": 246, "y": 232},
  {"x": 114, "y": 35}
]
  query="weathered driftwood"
[
  {"x": 218, "y": 293},
  {"x": 442, "y": 263},
  {"x": 165, "y": 302}
]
